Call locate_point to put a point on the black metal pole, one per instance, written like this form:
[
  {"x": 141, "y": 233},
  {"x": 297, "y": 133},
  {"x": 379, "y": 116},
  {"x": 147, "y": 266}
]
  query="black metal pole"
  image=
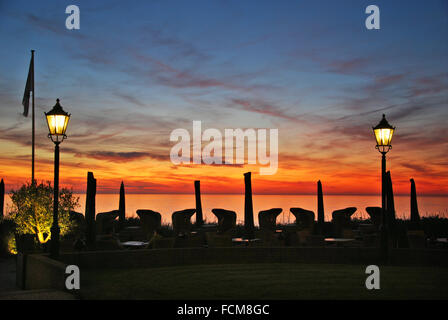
[
  {"x": 54, "y": 249},
  {"x": 383, "y": 227},
  {"x": 383, "y": 180}
]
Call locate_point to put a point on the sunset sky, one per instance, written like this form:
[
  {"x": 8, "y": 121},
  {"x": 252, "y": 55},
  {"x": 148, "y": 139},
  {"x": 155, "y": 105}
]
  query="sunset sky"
[{"x": 136, "y": 70}]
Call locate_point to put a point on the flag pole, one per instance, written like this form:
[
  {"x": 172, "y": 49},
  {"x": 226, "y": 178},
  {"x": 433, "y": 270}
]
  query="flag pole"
[{"x": 32, "y": 139}]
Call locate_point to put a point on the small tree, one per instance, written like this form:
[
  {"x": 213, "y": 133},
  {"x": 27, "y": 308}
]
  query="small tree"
[{"x": 32, "y": 210}]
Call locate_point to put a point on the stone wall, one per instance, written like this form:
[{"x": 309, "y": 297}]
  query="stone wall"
[{"x": 42, "y": 272}]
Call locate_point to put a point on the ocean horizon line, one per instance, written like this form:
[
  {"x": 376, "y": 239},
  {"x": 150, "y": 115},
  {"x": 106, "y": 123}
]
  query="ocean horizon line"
[
  {"x": 259, "y": 194},
  {"x": 267, "y": 194}
]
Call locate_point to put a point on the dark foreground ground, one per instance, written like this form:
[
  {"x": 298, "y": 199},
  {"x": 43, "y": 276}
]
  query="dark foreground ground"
[{"x": 264, "y": 281}]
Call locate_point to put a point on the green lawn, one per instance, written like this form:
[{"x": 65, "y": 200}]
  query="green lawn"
[{"x": 264, "y": 281}]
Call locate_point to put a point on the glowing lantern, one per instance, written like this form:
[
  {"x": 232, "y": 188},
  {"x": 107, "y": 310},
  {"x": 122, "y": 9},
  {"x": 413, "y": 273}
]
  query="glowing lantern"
[
  {"x": 57, "y": 121},
  {"x": 383, "y": 135}
]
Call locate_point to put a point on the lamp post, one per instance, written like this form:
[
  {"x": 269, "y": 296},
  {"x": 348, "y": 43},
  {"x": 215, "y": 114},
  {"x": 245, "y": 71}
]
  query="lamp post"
[
  {"x": 383, "y": 136},
  {"x": 57, "y": 121}
]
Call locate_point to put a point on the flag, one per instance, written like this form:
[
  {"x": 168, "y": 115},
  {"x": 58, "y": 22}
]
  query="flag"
[{"x": 28, "y": 88}]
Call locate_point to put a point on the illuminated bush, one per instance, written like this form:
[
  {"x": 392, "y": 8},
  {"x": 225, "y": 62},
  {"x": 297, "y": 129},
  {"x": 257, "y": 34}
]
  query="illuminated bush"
[
  {"x": 11, "y": 244},
  {"x": 7, "y": 238},
  {"x": 32, "y": 210}
]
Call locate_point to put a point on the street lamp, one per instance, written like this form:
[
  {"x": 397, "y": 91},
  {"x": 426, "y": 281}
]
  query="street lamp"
[
  {"x": 383, "y": 136},
  {"x": 57, "y": 121}
]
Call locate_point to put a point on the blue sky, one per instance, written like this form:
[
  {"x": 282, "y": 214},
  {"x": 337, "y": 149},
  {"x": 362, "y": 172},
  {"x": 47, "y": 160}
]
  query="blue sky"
[{"x": 136, "y": 70}]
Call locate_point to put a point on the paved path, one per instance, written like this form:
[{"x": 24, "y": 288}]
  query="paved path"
[{"x": 9, "y": 291}]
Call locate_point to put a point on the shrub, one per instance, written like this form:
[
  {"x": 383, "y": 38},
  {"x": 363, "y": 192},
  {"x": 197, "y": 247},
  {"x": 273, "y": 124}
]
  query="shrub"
[
  {"x": 7, "y": 239},
  {"x": 32, "y": 210}
]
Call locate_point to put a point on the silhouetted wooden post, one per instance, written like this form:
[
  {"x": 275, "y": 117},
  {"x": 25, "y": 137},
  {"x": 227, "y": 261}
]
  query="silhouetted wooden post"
[
  {"x": 90, "y": 210},
  {"x": 122, "y": 207},
  {"x": 415, "y": 216},
  {"x": 2, "y": 198},
  {"x": 197, "y": 193},
  {"x": 248, "y": 207},
  {"x": 320, "y": 208},
  {"x": 390, "y": 205}
]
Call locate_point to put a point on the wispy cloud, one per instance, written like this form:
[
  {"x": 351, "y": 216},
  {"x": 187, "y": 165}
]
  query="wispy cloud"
[
  {"x": 348, "y": 66},
  {"x": 129, "y": 98},
  {"x": 263, "y": 108},
  {"x": 122, "y": 156}
]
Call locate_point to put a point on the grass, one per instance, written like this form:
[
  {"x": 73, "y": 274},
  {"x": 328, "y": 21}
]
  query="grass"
[{"x": 264, "y": 281}]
